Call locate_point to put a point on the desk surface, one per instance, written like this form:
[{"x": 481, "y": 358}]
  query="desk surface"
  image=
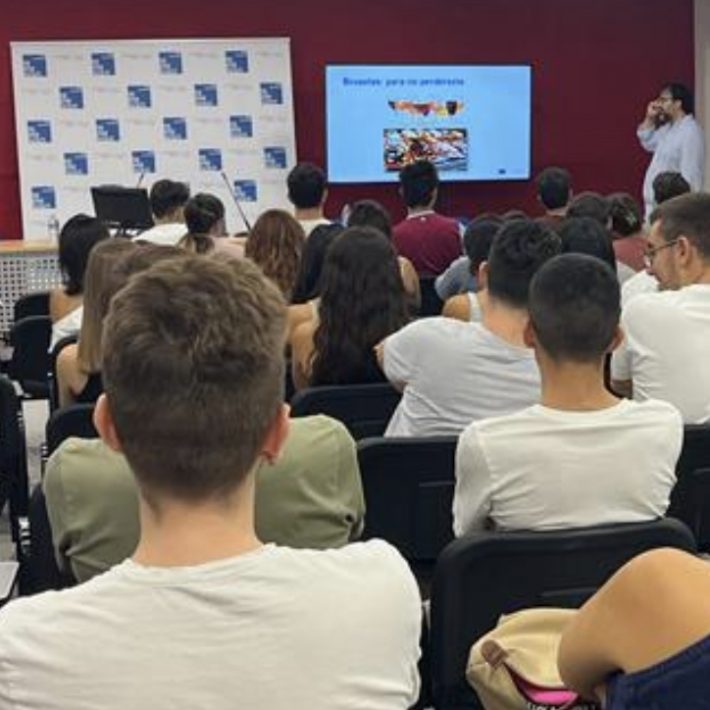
[{"x": 20, "y": 246}]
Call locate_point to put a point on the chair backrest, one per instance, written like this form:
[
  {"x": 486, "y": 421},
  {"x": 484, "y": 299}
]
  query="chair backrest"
[
  {"x": 481, "y": 576},
  {"x": 364, "y": 409},
  {"x": 431, "y": 303},
  {"x": 409, "y": 488},
  {"x": 690, "y": 500},
  {"x": 30, "y": 338},
  {"x": 52, "y": 373},
  {"x": 31, "y": 304},
  {"x": 74, "y": 420}
]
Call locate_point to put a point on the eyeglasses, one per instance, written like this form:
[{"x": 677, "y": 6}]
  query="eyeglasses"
[{"x": 650, "y": 254}]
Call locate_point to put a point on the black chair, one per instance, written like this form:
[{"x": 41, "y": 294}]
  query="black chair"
[
  {"x": 409, "y": 488},
  {"x": 31, "y": 304},
  {"x": 52, "y": 372},
  {"x": 431, "y": 303},
  {"x": 481, "y": 576},
  {"x": 30, "y": 338},
  {"x": 364, "y": 409},
  {"x": 690, "y": 499},
  {"x": 74, "y": 420}
]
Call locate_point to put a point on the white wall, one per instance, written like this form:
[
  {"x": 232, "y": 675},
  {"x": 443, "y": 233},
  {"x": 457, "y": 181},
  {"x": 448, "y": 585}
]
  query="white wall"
[{"x": 702, "y": 73}]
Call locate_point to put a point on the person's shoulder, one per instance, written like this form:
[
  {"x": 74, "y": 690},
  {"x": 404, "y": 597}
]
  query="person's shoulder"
[
  {"x": 481, "y": 429},
  {"x": 654, "y": 409},
  {"x": 317, "y": 430}
]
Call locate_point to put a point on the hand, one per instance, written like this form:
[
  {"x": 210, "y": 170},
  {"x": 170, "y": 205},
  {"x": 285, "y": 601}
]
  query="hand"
[{"x": 653, "y": 111}]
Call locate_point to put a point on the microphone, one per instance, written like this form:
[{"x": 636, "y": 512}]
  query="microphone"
[
  {"x": 140, "y": 179},
  {"x": 233, "y": 195}
]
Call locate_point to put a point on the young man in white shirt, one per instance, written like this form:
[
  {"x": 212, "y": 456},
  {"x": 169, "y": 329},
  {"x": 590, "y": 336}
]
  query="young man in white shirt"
[
  {"x": 204, "y": 615},
  {"x": 307, "y": 192},
  {"x": 167, "y": 203},
  {"x": 582, "y": 456},
  {"x": 452, "y": 372},
  {"x": 665, "y": 354}
]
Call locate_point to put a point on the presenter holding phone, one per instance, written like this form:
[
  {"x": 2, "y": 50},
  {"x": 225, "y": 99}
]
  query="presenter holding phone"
[{"x": 672, "y": 134}]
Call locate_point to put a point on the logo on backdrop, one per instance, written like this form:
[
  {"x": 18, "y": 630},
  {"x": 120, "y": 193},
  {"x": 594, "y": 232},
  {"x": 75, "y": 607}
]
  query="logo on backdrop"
[
  {"x": 34, "y": 65},
  {"x": 271, "y": 93},
  {"x": 44, "y": 197},
  {"x": 241, "y": 127},
  {"x": 170, "y": 62},
  {"x": 71, "y": 97},
  {"x": 107, "y": 129},
  {"x": 175, "y": 129},
  {"x": 275, "y": 157},
  {"x": 210, "y": 159},
  {"x": 76, "y": 164},
  {"x": 39, "y": 131},
  {"x": 103, "y": 64},
  {"x": 139, "y": 96},
  {"x": 245, "y": 190},
  {"x": 237, "y": 61},
  {"x": 205, "y": 94},
  {"x": 143, "y": 161}
]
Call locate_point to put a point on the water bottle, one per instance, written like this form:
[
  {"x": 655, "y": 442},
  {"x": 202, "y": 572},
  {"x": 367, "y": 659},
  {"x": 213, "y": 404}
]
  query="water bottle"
[{"x": 53, "y": 228}]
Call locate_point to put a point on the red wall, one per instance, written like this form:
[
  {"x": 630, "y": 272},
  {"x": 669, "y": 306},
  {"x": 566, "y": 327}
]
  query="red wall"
[{"x": 596, "y": 63}]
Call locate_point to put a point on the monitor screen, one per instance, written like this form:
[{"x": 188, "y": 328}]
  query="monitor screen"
[{"x": 471, "y": 121}]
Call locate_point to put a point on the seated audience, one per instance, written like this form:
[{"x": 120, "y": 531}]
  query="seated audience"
[
  {"x": 452, "y": 372},
  {"x": 664, "y": 355},
  {"x": 310, "y": 497},
  {"x": 308, "y": 192},
  {"x": 627, "y": 230},
  {"x": 361, "y": 301},
  {"x": 643, "y": 640},
  {"x": 206, "y": 228},
  {"x": 554, "y": 192},
  {"x": 274, "y": 244},
  {"x": 477, "y": 240},
  {"x": 591, "y": 204},
  {"x": 581, "y": 456},
  {"x": 369, "y": 213},
  {"x": 167, "y": 203},
  {"x": 584, "y": 235},
  {"x": 461, "y": 277},
  {"x": 78, "y": 237},
  {"x": 667, "y": 185},
  {"x": 429, "y": 240},
  {"x": 204, "y": 613}
]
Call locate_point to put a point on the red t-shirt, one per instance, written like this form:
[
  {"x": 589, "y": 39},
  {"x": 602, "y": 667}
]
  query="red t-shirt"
[
  {"x": 629, "y": 251},
  {"x": 429, "y": 240}
]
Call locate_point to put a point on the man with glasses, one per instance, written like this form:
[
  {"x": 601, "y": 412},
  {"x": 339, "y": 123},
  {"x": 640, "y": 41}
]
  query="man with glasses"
[
  {"x": 672, "y": 134},
  {"x": 665, "y": 354}
]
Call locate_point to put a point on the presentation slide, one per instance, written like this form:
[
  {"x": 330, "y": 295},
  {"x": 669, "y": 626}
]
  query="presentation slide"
[{"x": 472, "y": 122}]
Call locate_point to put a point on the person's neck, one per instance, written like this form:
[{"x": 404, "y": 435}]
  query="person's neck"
[
  {"x": 696, "y": 274},
  {"x": 170, "y": 219},
  {"x": 179, "y": 534},
  {"x": 557, "y": 212},
  {"x": 507, "y": 322},
  {"x": 419, "y": 209},
  {"x": 574, "y": 387},
  {"x": 678, "y": 118},
  {"x": 309, "y": 213}
]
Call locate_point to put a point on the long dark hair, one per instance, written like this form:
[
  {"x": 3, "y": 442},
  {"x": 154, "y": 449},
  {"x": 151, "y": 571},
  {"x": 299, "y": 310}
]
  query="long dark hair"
[
  {"x": 362, "y": 300},
  {"x": 312, "y": 260},
  {"x": 204, "y": 216}
]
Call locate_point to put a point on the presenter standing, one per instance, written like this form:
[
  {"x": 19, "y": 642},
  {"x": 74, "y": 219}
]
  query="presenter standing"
[{"x": 672, "y": 134}]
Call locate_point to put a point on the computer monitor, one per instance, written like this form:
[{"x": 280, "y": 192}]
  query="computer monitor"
[{"x": 123, "y": 208}]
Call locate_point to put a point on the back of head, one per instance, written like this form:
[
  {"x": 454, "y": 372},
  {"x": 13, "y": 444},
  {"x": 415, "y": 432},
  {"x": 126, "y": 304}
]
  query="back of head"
[
  {"x": 512, "y": 215},
  {"x": 667, "y": 185},
  {"x": 553, "y": 187},
  {"x": 590, "y": 204},
  {"x": 193, "y": 371},
  {"x": 519, "y": 249},
  {"x": 478, "y": 237},
  {"x": 418, "y": 182},
  {"x": 626, "y": 216},
  {"x": 78, "y": 237},
  {"x": 574, "y": 308},
  {"x": 686, "y": 216},
  {"x": 306, "y": 186},
  {"x": 167, "y": 198},
  {"x": 203, "y": 213},
  {"x": 370, "y": 213},
  {"x": 584, "y": 235},
  {"x": 312, "y": 259},
  {"x": 275, "y": 243},
  {"x": 680, "y": 92}
]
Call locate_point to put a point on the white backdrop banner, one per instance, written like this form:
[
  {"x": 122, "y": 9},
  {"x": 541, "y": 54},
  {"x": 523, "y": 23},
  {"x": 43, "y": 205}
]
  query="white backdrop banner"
[{"x": 92, "y": 113}]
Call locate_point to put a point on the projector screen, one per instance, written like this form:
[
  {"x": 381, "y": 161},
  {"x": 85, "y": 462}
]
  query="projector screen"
[{"x": 472, "y": 122}]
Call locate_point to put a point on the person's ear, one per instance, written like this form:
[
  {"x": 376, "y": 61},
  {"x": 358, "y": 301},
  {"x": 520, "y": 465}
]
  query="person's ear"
[
  {"x": 529, "y": 337},
  {"x": 616, "y": 339},
  {"x": 103, "y": 421},
  {"x": 482, "y": 276},
  {"x": 684, "y": 249},
  {"x": 276, "y": 435}
]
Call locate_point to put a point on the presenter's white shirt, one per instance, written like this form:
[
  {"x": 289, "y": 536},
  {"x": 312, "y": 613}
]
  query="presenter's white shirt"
[
  {"x": 666, "y": 351},
  {"x": 275, "y": 628},
  {"x": 168, "y": 234},
  {"x": 455, "y": 372},
  {"x": 547, "y": 469}
]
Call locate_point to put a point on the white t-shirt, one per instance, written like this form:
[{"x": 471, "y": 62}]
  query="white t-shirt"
[
  {"x": 454, "y": 373},
  {"x": 546, "y": 469},
  {"x": 639, "y": 283},
  {"x": 666, "y": 352},
  {"x": 276, "y": 628},
  {"x": 168, "y": 234},
  {"x": 310, "y": 224},
  {"x": 70, "y": 324}
]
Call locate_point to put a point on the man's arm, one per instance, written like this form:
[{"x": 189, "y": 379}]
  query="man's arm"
[
  {"x": 692, "y": 159},
  {"x": 647, "y": 133},
  {"x": 472, "y": 495},
  {"x": 397, "y": 354}
]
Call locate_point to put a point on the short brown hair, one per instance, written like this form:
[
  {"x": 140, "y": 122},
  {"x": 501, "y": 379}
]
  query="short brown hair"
[
  {"x": 193, "y": 371},
  {"x": 687, "y": 216}
]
